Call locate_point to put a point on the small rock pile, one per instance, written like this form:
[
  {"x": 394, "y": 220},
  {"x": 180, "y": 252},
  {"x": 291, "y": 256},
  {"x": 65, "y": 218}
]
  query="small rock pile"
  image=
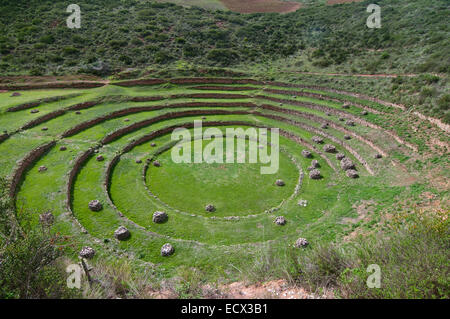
[
  {"x": 160, "y": 217},
  {"x": 87, "y": 252},
  {"x": 329, "y": 148},
  {"x": 306, "y": 154},
  {"x": 95, "y": 205},
  {"x": 317, "y": 139},
  {"x": 280, "y": 220},
  {"x": 300, "y": 243},
  {"x": 352, "y": 173},
  {"x": 347, "y": 164},
  {"x": 315, "y": 174},
  {"x": 279, "y": 182},
  {"x": 167, "y": 250},
  {"x": 42, "y": 168},
  {"x": 122, "y": 233}
]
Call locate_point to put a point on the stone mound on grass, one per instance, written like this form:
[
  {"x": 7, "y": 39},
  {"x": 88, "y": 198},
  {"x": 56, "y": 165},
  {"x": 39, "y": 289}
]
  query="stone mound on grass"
[
  {"x": 329, "y": 148},
  {"x": 347, "y": 164},
  {"x": 279, "y": 182},
  {"x": 122, "y": 233},
  {"x": 210, "y": 208},
  {"x": 340, "y": 156},
  {"x": 280, "y": 220},
  {"x": 306, "y": 154},
  {"x": 95, "y": 205},
  {"x": 352, "y": 173},
  {"x": 300, "y": 243},
  {"x": 315, "y": 164},
  {"x": 156, "y": 164},
  {"x": 167, "y": 250},
  {"x": 160, "y": 217},
  {"x": 315, "y": 174},
  {"x": 317, "y": 139},
  {"x": 87, "y": 252},
  {"x": 100, "y": 158}
]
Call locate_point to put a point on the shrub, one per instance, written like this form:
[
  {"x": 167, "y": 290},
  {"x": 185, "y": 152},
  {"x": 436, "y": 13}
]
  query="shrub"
[{"x": 28, "y": 260}]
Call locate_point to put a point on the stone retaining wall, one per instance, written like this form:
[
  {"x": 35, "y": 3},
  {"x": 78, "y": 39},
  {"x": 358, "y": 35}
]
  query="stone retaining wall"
[{"x": 25, "y": 164}]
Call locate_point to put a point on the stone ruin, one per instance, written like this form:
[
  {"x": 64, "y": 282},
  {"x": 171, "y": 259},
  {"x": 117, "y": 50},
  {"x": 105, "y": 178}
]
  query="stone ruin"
[
  {"x": 347, "y": 164},
  {"x": 95, "y": 205},
  {"x": 340, "y": 156},
  {"x": 279, "y": 182},
  {"x": 317, "y": 139},
  {"x": 352, "y": 173},
  {"x": 306, "y": 154},
  {"x": 160, "y": 217},
  {"x": 315, "y": 174},
  {"x": 315, "y": 164},
  {"x": 280, "y": 220},
  {"x": 87, "y": 252},
  {"x": 122, "y": 233},
  {"x": 329, "y": 148},
  {"x": 167, "y": 250},
  {"x": 300, "y": 243}
]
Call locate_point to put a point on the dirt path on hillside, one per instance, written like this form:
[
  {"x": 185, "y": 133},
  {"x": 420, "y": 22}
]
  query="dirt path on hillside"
[{"x": 381, "y": 75}]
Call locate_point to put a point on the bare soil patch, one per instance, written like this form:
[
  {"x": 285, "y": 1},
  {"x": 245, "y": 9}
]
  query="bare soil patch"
[
  {"x": 255, "y": 6},
  {"x": 331, "y": 2}
]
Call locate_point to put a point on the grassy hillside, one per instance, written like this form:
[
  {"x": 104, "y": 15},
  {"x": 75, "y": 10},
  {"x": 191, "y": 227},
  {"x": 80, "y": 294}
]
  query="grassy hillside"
[{"x": 131, "y": 33}]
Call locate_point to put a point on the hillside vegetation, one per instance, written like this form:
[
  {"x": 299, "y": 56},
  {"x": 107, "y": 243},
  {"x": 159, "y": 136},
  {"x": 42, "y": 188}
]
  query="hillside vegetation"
[{"x": 131, "y": 33}]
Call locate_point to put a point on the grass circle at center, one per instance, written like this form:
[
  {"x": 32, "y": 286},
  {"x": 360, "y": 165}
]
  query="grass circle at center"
[{"x": 234, "y": 189}]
